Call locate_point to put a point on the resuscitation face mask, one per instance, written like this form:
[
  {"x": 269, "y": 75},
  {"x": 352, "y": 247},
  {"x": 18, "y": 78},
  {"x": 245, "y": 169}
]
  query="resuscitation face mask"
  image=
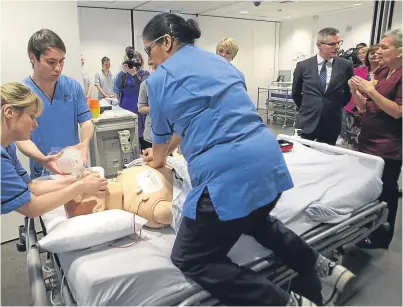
[{"x": 71, "y": 162}]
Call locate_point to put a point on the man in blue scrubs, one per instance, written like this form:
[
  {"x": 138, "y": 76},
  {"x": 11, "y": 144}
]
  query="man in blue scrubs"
[{"x": 65, "y": 105}]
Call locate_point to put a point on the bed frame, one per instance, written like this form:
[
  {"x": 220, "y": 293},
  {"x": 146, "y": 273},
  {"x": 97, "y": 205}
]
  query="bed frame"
[{"x": 50, "y": 288}]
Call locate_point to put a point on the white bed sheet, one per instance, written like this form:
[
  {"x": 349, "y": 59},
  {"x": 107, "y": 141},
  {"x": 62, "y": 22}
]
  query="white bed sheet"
[
  {"x": 339, "y": 183},
  {"x": 143, "y": 273}
]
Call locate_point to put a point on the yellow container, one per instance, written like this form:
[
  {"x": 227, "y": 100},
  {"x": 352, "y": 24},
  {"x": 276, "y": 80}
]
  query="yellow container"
[{"x": 95, "y": 107}]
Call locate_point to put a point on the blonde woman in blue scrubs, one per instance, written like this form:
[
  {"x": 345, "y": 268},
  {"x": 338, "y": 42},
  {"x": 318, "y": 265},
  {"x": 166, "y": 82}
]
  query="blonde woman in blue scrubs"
[
  {"x": 20, "y": 108},
  {"x": 237, "y": 170}
]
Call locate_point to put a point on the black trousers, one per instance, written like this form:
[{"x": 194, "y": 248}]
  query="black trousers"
[
  {"x": 322, "y": 134},
  {"x": 144, "y": 144},
  {"x": 390, "y": 195},
  {"x": 201, "y": 248}
]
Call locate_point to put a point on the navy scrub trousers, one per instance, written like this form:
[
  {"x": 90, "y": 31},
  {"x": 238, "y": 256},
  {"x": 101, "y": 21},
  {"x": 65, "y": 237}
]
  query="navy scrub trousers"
[{"x": 201, "y": 248}]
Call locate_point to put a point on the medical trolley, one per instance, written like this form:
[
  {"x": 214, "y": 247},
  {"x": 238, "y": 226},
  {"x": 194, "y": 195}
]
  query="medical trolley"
[{"x": 116, "y": 141}]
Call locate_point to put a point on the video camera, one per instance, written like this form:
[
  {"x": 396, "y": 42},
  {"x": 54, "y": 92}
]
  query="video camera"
[
  {"x": 131, "y": 61},
  {"x": 352, "y": 55}
]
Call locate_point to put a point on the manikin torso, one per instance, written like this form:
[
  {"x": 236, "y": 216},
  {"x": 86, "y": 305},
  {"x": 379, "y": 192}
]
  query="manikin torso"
[{"x": 141, "y": 190}]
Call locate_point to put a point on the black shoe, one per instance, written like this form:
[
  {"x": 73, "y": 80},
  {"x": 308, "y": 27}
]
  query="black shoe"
[{"x": 368, "y": 244}]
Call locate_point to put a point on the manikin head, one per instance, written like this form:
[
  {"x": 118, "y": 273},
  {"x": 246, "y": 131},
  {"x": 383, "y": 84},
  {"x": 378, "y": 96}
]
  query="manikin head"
[{"x": 46, "y": 52}]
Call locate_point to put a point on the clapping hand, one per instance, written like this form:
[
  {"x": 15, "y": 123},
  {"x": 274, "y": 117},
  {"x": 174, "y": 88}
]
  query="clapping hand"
[{"x": 362, "y": 85}]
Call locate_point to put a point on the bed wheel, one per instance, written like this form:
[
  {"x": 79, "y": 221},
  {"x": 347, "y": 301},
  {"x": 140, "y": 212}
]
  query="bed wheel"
[
  {"x": 21, "y": 247},
  {"x": 21, "y": 244}
]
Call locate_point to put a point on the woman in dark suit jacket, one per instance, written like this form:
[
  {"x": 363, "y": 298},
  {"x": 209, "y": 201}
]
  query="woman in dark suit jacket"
[{"x": 381, "y": 126}]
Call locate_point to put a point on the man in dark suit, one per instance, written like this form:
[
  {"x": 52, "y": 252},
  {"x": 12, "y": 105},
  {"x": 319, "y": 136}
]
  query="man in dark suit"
[{"x": 320, "y": 89}]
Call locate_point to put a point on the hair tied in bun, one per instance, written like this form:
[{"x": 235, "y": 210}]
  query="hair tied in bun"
[{"x": 193, "y": 28}]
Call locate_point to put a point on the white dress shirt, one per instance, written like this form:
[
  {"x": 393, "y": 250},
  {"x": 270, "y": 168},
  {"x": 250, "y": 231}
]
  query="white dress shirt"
[{"x": 329, "y": 65}]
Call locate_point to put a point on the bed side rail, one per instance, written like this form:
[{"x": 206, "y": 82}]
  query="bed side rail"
[
  {"x": 34, "y": 266},
  {"x": 377, "y": 161},
  {"x": 48, "y": 287}
]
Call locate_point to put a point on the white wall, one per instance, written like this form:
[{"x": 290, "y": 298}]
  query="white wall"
[
  {"x": 103, "y": 33},
  {"x": 19, "y": 20},
  {"x": 299, "y": 35},
  {"x": 256, "y": 57},
  {"x": 397, "y": 15}
]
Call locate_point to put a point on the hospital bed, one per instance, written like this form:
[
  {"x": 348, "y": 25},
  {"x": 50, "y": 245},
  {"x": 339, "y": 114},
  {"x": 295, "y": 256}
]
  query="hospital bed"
[{"x": 144, "y": 275}]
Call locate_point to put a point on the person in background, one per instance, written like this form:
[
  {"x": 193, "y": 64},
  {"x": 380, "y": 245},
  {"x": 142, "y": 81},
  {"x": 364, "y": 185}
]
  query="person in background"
[
  {"x": 144, "y": 108},
  {"x": 351, "y": 121},
  {"x": 199, "y": 101},
  {"x": 127, "y": 87},
  {"x": 20, "y": 107},
  {"x": 86, "y": 80},
  {"x": 320, "y": 90},
  {"x": 381, "y": 126},
  {"x": 227, "y": 48},
  {"x": 65, "y": 106},
  {"x": 361, "y": 45},
  {"x": 104, "y": 80}
]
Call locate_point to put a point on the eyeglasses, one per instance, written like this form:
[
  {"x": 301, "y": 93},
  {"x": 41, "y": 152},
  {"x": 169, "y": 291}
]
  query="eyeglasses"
[
  {"x": 339, "y": 43},
  {"x": 147, "y": 48}
]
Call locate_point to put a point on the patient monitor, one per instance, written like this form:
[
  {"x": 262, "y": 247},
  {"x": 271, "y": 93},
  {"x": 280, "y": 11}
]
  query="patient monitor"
[{"x": 142, "y": 190}]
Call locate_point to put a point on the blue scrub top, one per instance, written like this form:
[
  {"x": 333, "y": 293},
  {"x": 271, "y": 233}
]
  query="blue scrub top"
[
  {"x": 58, "y": 124},
  {"x": 202, "y": 98},
  {"x": 14, "y": 181}
]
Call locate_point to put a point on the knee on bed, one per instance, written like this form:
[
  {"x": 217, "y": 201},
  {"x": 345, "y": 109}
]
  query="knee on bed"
[
  {"x": 176, "y": 261},
  {"x": 187, "y": 268}
]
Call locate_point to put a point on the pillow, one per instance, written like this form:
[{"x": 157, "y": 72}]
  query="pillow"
[
  {"x": 86, "y": 231},
  {"x": 53, "y": 218}
]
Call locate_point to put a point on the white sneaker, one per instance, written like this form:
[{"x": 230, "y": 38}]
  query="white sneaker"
[
  {"x": 340, "y": 141},
  {"x": 340, "y": 283},
  {"x": 300, "y": 300}
]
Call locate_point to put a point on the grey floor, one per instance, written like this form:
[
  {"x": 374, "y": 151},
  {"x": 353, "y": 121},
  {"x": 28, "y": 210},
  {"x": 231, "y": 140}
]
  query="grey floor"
[{"x": 379, "y": 272}]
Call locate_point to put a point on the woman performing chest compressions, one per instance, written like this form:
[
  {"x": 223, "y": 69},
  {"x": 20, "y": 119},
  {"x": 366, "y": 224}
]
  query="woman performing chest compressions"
[{"x": 199, "y": 100}]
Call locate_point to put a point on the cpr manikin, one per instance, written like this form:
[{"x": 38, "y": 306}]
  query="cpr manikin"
[{"x": 142, "y": 190}]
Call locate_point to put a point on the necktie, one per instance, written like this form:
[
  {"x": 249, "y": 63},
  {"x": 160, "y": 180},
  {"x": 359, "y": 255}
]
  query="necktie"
[{"x": 323, "y": 75}]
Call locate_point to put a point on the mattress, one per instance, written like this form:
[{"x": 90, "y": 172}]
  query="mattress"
[
  {"x": 140, "y": 274},
  {"x": 143, "y": 273},
  {"x": 327, "y": 187}
]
